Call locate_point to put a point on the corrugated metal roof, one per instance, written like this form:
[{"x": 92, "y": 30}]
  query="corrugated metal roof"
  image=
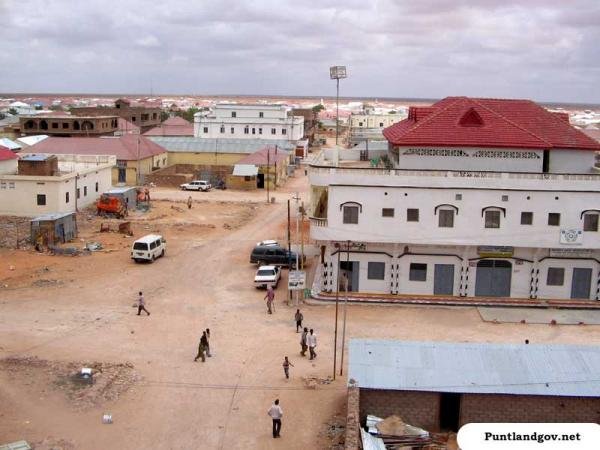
[
  {"x": 32, "y": 140},
  {"x": 120, "y": 190},
  {"x": 9, "y": 144},
  {"x": 245, "y": 170},
  {"x": 36, "y": 157},
  {"x": 51, "y": 217},
  {"x": 534, "y": 369},
  {"x": 199, "y": 145}
]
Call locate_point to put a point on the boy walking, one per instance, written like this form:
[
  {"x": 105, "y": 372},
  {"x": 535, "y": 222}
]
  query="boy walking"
[
  {"x": 286, "y": 367},
  {"x": 303, "y": 343},
  {"x": 299, "y": 318},
  {"x": 311, "y": 340},
  {"x": 270, "y": 297},
  {"x": 142, "y": 304},
  {"x": 276, "y": 414}
]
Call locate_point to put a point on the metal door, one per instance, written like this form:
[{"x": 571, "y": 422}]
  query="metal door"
[
  {"x": 443, "y": 279},
  {"x": 580, "y": 286},
  {"x": 493, "y": 278}
]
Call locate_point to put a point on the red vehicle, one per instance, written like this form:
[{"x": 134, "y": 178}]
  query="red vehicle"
[{"x": 109, "y": 205}]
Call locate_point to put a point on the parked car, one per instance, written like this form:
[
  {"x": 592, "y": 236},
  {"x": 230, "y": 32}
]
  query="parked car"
[
  {"x": 267, "y": 276},
  {"x": 273, "y": 255},
  {"x": 148, "y": 248},
  {"x": 196, "y": 185}
]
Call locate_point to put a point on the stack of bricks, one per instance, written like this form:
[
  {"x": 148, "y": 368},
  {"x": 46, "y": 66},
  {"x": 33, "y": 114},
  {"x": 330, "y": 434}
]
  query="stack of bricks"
[{"x": 353, "y": 419}]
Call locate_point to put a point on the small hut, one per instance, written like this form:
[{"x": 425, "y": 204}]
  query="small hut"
[{"x": 52, "y": 229}]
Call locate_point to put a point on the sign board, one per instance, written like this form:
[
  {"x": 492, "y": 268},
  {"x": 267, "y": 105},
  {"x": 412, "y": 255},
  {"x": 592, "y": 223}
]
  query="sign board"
[
  {"x": 571, "y": 253},
  {"x": 490, "y": 251},
  {"x": 296, "y": 280},
  {"x": 571, "y": 236}
]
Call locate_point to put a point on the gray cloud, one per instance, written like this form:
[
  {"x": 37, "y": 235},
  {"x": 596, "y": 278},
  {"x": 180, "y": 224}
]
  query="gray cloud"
[{"x": 545, "y": 50}]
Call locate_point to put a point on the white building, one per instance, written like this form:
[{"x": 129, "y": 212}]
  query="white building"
[
  {"x": 78, "y": 182},
  {"x": 235, "y": 121},
  {"x": 492, "y": 198}
]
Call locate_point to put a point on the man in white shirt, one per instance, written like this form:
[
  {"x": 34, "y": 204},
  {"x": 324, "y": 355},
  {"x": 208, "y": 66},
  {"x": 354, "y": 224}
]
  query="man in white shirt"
[
  {"x": 311, "y": 340},
  {"x": 276, "y": 414}
]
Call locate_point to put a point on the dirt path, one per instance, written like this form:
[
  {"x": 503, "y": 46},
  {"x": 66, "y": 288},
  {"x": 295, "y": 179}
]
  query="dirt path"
[{"x": 205, "y": 281}]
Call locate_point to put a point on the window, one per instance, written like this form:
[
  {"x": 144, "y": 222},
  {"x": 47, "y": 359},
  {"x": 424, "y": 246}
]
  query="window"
[
  {"x": 418, "y": 272},
  {"x": 492, "y": 219},
  {"x": 505, "y": 198},
  {"x": 222, "y": 129},
  {"x": 283, "y": 131},
  {"x": 205, "y": 129},
  {"x": 78, "y": 193},
  {"x": 65, "y": 125},
  {"x": 360, "y": 124},
  {"x": 133, "y": 118},
  {"x": 387, "y": 212},
  {"x": 97, "y": 182},
  {"x": 260, "y": 131},
  {"x": 350, "y": 214},
  {"x": 246, "y": 130},
  {"x": 261, "y": 114},
  {"x": 232, "y": 130},
  {"x": 446, "y": 218},
  {"x": 273, "y": 131},
  {"x": 233, "y": 114},
  {"x": 458, "y": 196},
  {"x": 54, "y": 125},
  {"x": 247, "y": 178},
  {"x": 253, "y": 130},
  {"x": 85, "y": 191},
  {"x": 381, "y": 124},
  {"x": 556, "y": 276},
  {"x": 590, "y": 222},
  {"x": 526, "y": 218},
  {"x": 554, "y": 219},
  {"x": 412, "y": 215},
  {"x": 41, "y": 199},
  {"x": 376, "y": 271},
  {"x": 67, "y": 197}
]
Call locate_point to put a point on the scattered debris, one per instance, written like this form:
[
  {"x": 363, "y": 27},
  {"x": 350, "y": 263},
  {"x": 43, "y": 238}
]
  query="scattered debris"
[
  {"x": 335, "y": 432},
  {"x": 93, "y": 246},
  {"x": 177, "y": 208},
  {"x": 107, "y": 419},
  {"x": 69, "y": 251},
  {"x": 311, "y": 382},
  {"x": 125, "y": 228},
  {"x": 394, "y": 433},
  {"x": 104, "y": 227}
]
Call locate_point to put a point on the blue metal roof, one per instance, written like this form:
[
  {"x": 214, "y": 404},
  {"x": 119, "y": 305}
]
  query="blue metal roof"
[
  {"x": 534, "y": 369},
  {"x": 32, "y": 157}
]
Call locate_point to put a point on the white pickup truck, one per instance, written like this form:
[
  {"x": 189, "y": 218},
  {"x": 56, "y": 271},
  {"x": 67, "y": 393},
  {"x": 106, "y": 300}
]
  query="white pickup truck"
[
  {"x": 267, "y": 276},
  {"x": 196, "y": 185}
]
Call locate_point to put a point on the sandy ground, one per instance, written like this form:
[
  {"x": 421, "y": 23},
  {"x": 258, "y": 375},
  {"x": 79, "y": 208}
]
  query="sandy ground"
[{"x": 158, "y": 397}]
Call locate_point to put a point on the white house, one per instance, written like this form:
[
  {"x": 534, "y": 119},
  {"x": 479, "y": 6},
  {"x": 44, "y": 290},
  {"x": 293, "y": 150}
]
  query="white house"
[
  {"x": 235, "y": 121},
  {"x": 492, "y": 198},
  {"x": 76, "y": 182}
]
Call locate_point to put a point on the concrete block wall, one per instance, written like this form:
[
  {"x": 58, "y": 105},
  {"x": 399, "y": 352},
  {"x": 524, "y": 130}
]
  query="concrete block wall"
[
  {"x": 416, "y": 408},
  {"x": 352, "y": 438},
  {"x": 531, "y": 408}
]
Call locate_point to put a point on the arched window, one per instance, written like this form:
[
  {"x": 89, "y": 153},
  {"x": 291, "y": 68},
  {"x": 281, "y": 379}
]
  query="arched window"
[{"x": 492, "y": 216}]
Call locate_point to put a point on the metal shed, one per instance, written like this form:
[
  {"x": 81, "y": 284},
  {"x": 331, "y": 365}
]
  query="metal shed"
[
  {"x": 127, "y": 194},
  {"x": 51, "y": 229}
]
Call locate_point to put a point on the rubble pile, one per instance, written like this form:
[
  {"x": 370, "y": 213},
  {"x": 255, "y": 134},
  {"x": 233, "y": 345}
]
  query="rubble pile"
[
  {"x": 335, "y": 432},
  {"x": 393, "y": 433},
  {"x": 13, "y": 229}
]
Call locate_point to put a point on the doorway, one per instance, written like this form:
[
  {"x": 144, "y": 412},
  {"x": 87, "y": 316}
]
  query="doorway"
[
  {"x": 580, "y": 285},
  {"x": 349, "y": 270},
  {"x": 493, "y": 278},
  {"x": 443, "y": 279},
  {"x": 449, "y": 411},
  {"x": 260, "y": 181},
  {"x": 122, "y": 175}
]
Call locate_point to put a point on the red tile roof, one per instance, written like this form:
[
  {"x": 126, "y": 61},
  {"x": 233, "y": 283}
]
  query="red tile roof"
[
  {"x": 125, "y": 126},
  {"x": 124, "y": 147},
  {"x": 482, "y": 122},
  {"x": 267, "y": 155},
  {"x": 173, "y": 126},
  {"x": 6, "y": 154}
]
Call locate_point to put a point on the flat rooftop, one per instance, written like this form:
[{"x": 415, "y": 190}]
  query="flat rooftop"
[{"x": 474, "y": 368}]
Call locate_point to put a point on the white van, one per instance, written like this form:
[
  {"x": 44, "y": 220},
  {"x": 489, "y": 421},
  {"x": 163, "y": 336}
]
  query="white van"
[{"x": 148, "y": 248}]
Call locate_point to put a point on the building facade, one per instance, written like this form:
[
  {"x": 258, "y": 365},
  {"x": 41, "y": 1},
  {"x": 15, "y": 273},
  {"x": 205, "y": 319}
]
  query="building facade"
[
  {"x": 76, "y": 184},
  {"x": 464, "y": 212},
  {"x": 67, "y": 125},
  {"x": 139, "y": 114},
  {"x": 233, "y": 121}
]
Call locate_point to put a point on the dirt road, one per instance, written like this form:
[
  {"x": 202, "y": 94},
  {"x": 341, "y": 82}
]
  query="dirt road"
[{"x": 205, "y": 281}]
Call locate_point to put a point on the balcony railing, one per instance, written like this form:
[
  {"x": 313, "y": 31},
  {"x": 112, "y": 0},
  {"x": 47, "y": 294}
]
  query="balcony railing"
[{"x": 318, "y": 221}]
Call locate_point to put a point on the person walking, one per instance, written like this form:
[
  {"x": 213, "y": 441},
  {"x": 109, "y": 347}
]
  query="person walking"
[
  {"x": 276, "y": 414},
  {"x": 141, "y": 304},
  {"x": 286, "y": 367},
  {"x": 202, "y": 347},
  {"x": 299, "y": 318},
  {"x": 311, "y": 340},
  {"x": 303, "y": 343},
  {"x": 208, "y": 342},
  {"x": 189, "y": 202},
  {"x": 270, "y": 297}
]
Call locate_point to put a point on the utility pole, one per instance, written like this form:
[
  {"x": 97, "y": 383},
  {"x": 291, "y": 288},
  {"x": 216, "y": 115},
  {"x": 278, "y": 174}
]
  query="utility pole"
[
  {"x": 268, "y": 171},
  {"x": 345, "y": 309},
  {"x": 337, "y": 295},
  {"x": 289, "y": 248},
  {"x": 138, "y": 161},
  {"x": 302, "y": 236},
  {"x": 335, "y": 73},
  {"x": 297, "y": 198}
]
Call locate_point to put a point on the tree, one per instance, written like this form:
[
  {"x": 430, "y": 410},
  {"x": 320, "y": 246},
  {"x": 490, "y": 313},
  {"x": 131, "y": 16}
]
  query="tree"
[
  {"x": 392, "y": 112},
  {"x": 317, "y": 109},
  {"x": 189, "y": 114},
  {"x": 164, "y": 116},
  {"x": 13, "y": 111}
]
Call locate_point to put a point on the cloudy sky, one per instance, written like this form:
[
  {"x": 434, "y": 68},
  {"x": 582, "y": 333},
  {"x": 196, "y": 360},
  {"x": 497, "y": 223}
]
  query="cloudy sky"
[{"x": 547, "y": 50}]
